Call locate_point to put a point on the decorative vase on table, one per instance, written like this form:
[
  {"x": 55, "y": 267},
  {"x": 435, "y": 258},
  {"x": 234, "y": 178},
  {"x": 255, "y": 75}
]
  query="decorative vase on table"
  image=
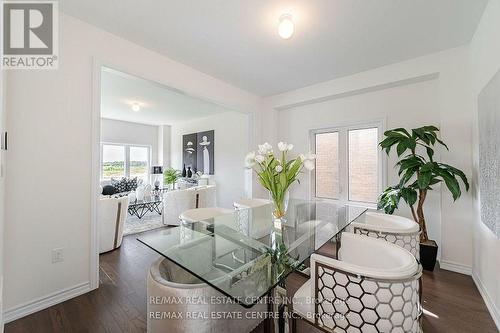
[
  {"x": 277, "y": 172},
  {"x": 280, "y": 205},
  {"x": 184, "y": 172}
]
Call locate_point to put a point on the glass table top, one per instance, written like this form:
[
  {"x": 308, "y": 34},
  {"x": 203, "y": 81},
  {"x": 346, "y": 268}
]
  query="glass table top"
[{"x": 245, "y": 254}]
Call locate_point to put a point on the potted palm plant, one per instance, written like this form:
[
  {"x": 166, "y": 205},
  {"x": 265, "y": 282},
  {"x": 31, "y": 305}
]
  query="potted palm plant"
[
  {"x": 171, "y": 176},
  {"x": 418, "y": 174}
]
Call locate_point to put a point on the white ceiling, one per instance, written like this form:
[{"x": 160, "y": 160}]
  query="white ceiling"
[
  {"x": 160, "y": 105},
  {"x": 237, "y": 41}
]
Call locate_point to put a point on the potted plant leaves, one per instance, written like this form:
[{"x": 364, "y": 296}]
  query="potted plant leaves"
[
  {"x": 171, "y": 176},
  {"x": 419, "y": 173}
]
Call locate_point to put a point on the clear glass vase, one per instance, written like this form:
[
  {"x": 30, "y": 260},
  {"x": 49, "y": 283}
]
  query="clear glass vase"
[{"x": 280, "y": 205}]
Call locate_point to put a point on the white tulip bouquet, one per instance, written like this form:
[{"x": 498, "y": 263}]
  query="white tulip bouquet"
[{"x": 276, "y": 173}]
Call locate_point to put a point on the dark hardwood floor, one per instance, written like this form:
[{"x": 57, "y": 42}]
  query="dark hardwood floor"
[{"x": 452, "y": 301}]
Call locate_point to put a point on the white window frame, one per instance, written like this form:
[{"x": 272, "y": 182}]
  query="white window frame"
[
  {"x": 343, "y": 130},
  {"x": 126, "y": 147}
]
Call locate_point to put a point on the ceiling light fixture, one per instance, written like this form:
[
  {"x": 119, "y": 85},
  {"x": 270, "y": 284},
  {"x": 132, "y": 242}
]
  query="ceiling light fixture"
[
  {"x": 286, "y": 26},
  {"x": 136, "y": 107}
]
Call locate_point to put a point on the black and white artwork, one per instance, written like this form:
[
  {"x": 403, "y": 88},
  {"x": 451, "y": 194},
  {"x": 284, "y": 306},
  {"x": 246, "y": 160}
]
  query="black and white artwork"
[
  {"x": 489, "y": 154},
  {"x": 189, "y": 147},
  {"x": 205, "y": 159}
]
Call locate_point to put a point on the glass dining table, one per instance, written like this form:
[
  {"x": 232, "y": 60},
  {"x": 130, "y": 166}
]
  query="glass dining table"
[{"x": 246, "y": 254}]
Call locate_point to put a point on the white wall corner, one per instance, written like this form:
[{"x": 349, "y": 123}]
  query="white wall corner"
[
  {"x": 494, "y": 311},
  {"x": 1, "y": 305},
  {"x": 455, "y": 267},
  {"x": 45, "y": 302}
]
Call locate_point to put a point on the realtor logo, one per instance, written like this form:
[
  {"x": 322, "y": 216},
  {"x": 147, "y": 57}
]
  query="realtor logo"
[{"x": 29, "y": 32}]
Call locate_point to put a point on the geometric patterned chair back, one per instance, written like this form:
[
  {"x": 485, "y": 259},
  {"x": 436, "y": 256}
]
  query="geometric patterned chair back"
[
  {"x": 392, "y": 228},
  {"x": 345, "y": 302}
]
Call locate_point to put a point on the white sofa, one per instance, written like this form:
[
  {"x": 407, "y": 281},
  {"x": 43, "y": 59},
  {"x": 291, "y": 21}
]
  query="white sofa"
[{"x": 111, "y": 215}]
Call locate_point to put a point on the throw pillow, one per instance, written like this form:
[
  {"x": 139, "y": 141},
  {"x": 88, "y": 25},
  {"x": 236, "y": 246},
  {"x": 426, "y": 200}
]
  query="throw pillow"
[
  {"x": 132, "y": 184},
  {"x": 108, "y": 190},
  {"x": 120, "y": 185}
]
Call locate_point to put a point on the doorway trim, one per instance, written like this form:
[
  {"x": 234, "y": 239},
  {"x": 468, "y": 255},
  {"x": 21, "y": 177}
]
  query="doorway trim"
[{"x": 97, "y": 65}]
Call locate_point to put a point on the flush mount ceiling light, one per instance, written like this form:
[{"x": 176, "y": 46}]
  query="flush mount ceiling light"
[
  {"x": 136, "y": 107},
  {"x": 286, "y": 26}
]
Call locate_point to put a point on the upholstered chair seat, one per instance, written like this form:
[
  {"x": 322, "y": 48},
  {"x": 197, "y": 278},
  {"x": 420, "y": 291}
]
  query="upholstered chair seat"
[
  {"x": 372, "y": 287},
  {"x": 392, "y": 228},
  {"x": 202, "y": 214}
]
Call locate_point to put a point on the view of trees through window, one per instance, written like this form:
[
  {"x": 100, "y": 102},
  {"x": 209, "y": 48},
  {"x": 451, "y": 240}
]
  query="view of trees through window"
[
  {"x": 125, "y": 161},
  {"x": 113, "y": 161},
  {"x": 139, "y": 157}
]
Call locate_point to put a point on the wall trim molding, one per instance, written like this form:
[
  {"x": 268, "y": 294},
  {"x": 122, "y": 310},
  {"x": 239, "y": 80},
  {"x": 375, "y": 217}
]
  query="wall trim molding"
[
  {"x": 494, "y": 311},
  {"x": 45, "y": 302},
  {"x": 455, "y": 267},
  {"x": 354, "y": 92}
]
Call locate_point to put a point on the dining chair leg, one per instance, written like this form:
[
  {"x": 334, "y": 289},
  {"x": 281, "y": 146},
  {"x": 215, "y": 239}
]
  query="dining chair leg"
[
  {"x": 268, "y": 322},
  {"x": 420, "y": 289},
  {"x": 293, "y": 328},
  {"x": 281, "y": 319}
]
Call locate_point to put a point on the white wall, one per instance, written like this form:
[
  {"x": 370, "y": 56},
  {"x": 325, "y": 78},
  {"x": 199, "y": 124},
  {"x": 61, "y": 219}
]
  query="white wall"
[
  {"x": 50, "y": 133},
  {"x": 2, "y": 190},
  {"x": 485, "y": 61},
  {"x": 410, "y": 106},
  {"x": 231, "y": 132},
  {"x": 166, "y": 134},
  {"x": 117, "y": 131},
  {"x": 394, "y": 92}
]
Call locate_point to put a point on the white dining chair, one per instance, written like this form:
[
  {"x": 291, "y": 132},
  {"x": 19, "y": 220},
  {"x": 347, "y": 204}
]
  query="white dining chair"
[
  {"x": 174, "y": 203},
  {"x": 207, "y": 196},
  {"x": 372, "y": 287},
  {"x": 392, "y": 228},
  {"x": 254, "y": 216},
  {"x": 167, "y": 281},
  {"x": 111, "y": 216}
]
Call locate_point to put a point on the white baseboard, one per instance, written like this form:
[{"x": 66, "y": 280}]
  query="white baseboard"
[
  {"x": 495, "y": 313},
  {"x": 455, "y": 267},
  {"x": 45, "y": 302}
]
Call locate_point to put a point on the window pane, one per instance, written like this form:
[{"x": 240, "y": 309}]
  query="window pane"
[
  {"x": 363, "y": 165},
  {"x": 139, "y": 163},
  {"x": 113, "y": 161},
  {"x": 327, "y": 165}
]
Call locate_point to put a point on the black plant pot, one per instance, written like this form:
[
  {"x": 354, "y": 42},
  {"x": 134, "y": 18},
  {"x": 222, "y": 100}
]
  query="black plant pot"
[{"x": 428, "y": 255}]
